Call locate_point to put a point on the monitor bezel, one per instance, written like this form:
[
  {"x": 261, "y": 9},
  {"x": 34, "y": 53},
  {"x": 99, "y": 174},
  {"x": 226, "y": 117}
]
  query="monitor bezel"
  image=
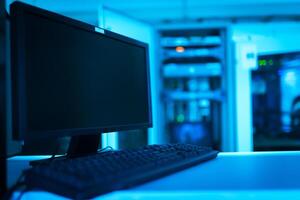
[{"x": 20, "y": 129}]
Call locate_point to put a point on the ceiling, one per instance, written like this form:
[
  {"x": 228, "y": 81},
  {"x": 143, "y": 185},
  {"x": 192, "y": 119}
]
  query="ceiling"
[{"x": 160, "y": 11}]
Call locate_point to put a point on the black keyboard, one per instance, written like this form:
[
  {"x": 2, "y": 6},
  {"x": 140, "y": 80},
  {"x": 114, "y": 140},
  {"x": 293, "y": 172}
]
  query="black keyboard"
[{"x": 92, "y": 175}]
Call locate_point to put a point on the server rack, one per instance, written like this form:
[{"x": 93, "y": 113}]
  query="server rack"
[{"x": 193, "y": 73}]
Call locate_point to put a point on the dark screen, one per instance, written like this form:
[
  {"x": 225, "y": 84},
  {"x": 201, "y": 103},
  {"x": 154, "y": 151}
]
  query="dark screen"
[{"x": 77, "y": 78}]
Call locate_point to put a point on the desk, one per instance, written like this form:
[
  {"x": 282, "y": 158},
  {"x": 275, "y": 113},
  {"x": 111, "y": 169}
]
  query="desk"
[{"x": 258, "y": 175}]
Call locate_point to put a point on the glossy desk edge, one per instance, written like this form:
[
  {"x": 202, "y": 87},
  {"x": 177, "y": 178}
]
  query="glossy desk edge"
[{"x": 17, "y": 163}]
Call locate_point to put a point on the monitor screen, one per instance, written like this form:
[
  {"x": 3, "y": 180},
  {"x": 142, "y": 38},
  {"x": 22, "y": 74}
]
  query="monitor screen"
[{"x": 71, "y": 79}]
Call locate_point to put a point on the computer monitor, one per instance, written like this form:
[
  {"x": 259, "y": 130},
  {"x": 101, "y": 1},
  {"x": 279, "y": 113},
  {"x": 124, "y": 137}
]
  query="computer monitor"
[{"x": 70, "y": 78}]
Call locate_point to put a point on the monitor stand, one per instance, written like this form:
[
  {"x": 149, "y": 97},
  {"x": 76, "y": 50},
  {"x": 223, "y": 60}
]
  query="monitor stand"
[{"x": 80, "y": 145}]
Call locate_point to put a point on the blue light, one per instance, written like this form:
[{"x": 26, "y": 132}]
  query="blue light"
[{"x": 290, "y": 78}]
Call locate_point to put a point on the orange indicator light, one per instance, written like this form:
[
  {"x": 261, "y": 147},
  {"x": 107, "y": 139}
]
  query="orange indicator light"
[{"x": 180, "y": 49}]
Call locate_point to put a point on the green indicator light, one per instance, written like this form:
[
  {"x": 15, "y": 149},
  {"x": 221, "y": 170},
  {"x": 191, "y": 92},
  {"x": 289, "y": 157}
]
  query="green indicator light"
[
  {"x": 271, "y": 62},
  {"x": 180, "y": 118},
  {"x": 262, "y": 62}
]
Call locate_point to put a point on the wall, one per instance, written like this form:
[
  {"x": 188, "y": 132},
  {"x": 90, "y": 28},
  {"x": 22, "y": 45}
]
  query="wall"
[
  {"x": 275, "y": 37},
  {"x": 80, "y": 11}
]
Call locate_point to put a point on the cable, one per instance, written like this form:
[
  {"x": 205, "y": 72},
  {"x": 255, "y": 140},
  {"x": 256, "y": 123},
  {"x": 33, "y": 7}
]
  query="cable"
[
  {"x": 105, "y": 149},
  {"x": 57, "y": 145},
  {"x": 22, "y": 192},
  {"x": 20, "y": 183}
]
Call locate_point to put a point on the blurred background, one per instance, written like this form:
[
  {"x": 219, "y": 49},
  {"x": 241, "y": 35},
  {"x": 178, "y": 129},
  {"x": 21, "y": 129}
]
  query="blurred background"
[{"x": 224, "y": 73}]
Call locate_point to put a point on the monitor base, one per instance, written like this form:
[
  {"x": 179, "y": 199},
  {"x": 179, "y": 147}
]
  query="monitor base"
[{"x": 80, "y": 145}]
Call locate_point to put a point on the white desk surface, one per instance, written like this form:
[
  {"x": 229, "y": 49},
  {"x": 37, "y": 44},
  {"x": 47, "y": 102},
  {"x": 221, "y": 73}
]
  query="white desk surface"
[{"x": 258, "y": 175}]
